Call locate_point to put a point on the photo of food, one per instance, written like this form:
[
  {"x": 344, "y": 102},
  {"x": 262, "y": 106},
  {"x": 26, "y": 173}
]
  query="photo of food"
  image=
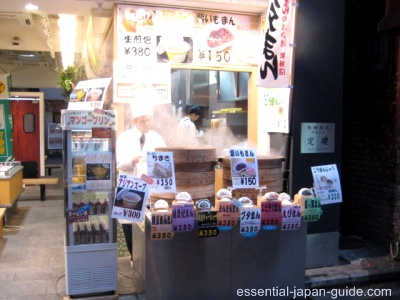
[
  {"x": 174, "y": 49},
  {"x": 95, "y": 94},
  {"x": 78, "y": 95},
  {"x": 160, "y": 171},
  {"x": 97, "y": 171},
  {"x": 131, "y": 199}
]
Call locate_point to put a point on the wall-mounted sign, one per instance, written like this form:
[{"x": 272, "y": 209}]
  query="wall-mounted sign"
[
  {"x": 6, "y": 147},
  {"x": 317, "y": 137},
  {"x": 147, "y": 35},
  {"x": 274, "y": 109},
  {"x": 81, "y": 119}
]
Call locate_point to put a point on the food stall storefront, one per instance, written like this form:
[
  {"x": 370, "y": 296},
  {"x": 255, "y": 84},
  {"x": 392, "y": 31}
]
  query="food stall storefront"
[{"x": 173, "y": 57}]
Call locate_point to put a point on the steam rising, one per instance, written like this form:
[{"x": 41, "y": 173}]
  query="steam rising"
[{"x": 166, "y": 120}]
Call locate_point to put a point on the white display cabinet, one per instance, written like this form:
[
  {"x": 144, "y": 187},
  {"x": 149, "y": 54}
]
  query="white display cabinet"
[{"x": 89, "y": 186}]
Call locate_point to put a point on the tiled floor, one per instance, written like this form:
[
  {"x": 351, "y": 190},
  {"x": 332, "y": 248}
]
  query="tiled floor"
[{"x": 32, "y": 252}]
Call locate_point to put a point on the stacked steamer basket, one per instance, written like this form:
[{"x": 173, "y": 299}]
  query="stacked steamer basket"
[
  {"x": 269, "y": 175},
  {"x": 194, "y": 173}
]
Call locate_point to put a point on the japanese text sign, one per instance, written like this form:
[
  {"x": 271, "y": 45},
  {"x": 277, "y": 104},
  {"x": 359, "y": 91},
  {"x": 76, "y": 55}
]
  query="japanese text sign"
[
  {"x": 244, "y": 168},
  {"x": 161, "y": 225},
  {"x": 207, "y": 224},
  {"x": 83, "y": 119},
  {"x": 317, "y": 137},
  {"x": 160, "y": 166},
  {"x": 312, "y": 209},
  {"x": 291, "y": 217},
  {"x": 327, "y": 184},
  {"x": 228, "y": 215},
  {"x": 271, "y": 215},
  {"x": 250, "y": 221},
  {"x": 276, "y": 63},
  {"x": 182, "y": 217},
  {"x": 130, "y": 198}
]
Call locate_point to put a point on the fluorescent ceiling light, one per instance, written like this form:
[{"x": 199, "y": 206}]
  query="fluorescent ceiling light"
[{"x": 31, "y": 6}]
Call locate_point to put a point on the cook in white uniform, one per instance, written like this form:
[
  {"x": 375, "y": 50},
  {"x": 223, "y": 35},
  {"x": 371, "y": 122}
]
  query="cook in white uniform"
[
  {"x": 186, "y": 127},
  {"x": 131, "y": 148}
]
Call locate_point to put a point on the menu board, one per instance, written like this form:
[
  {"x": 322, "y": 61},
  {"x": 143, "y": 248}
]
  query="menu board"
[{"x": 153, "y": 34}]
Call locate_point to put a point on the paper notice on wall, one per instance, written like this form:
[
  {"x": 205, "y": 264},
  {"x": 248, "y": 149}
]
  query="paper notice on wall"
[{"x": 327, "y": 184}]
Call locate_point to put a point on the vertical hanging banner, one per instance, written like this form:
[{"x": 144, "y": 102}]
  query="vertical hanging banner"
[{"x": 276, "y": 61}]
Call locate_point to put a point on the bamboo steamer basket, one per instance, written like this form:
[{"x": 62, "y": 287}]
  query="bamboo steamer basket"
[
  {"x": 269, "y": 174},
  {"x": 194, "y": 173}
]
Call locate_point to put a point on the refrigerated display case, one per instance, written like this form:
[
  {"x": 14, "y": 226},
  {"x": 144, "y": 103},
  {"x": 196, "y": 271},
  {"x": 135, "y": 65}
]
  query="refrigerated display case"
[{"x": 89, "y": 186}]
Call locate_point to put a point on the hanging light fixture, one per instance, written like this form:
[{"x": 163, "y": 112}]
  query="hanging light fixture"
[{"x": 67, "y": 24}]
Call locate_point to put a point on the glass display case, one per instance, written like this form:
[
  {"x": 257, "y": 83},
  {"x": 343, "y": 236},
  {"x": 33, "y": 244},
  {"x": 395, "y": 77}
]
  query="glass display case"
[{"x": 89, "y": 186}]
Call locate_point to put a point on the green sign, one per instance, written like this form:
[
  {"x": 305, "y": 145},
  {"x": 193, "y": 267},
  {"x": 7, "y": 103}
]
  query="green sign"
[{"x": 6, "y": 149}]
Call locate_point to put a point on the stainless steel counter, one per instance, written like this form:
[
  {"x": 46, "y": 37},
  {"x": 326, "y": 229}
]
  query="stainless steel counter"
[{"x": 188, "y": 267}]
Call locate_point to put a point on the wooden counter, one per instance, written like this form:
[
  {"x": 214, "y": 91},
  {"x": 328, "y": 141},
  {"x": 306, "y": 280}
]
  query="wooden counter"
[{"x": 11, "y": 187}]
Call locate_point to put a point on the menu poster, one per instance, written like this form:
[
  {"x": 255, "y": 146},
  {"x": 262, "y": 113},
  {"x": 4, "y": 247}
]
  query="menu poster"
[
  {"x": 327, "y": 184},
  {"x": 160, "y": 166},
  {"x": 54, "y": 136},
  {"x": 160, "y": 35},
  {"x": 98, "y": 170},
  {"x": 130, "y": 198},
  {"x": 89, "y": 94},
  {"x": 244, "y": 168}
]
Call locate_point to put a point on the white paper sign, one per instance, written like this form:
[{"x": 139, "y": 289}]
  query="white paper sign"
[
  {"x": 89, "y": 94},
  {"x": 244, "y": 168},
  {"x": 160, "y": 166},
  {"x": 130, "y": 198},
  {"x": 291, "y": 217},
  {"x": 327, "y": 184},
  {"x": 250, "y": 221}
]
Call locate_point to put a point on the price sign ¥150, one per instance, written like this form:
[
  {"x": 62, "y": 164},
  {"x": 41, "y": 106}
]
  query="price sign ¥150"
[{"x": 244, "y": 168}]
